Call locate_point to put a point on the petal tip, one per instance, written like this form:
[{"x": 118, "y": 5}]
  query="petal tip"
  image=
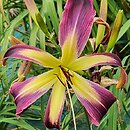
[
  {"x": 47, "y": 121},
  {"x": 123, "y": 79},
  {"x": 78, "y": 15}
]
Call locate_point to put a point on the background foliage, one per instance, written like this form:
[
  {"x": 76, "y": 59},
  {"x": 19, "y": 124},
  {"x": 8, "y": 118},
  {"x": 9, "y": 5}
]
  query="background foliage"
[{"x": 15, "y": 20}]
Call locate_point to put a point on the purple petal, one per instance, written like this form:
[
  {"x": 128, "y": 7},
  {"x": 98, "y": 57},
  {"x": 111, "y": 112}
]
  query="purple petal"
[
  {"x": 97, "y": 110},
  {"x": 96, "y": 99},
  {"x": 78, "y": 18},
  {"x": 89, "y": 61},
  {"x": 27, "y": 92},
  {"x": 55, "y": 106},
  {"x": 32, "y": 54}
]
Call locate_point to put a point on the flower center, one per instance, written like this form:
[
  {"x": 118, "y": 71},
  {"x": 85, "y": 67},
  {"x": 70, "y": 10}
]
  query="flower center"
[{"x": 65, "y": 76}]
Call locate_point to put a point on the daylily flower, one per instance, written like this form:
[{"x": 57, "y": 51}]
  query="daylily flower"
[{"x": 74, "y": 31}]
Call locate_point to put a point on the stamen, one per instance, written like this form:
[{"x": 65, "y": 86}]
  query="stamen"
[
  {"x": 66, "y": 74},
  {"x": 60, "y": 80}
]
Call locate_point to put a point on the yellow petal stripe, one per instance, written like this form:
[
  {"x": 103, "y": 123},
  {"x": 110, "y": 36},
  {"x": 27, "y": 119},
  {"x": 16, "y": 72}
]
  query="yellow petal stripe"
[
  {"x": 69, "y": 49},
  {"x": 84, "y": 89},
  {"x": 56, "y": 102},
  {"x": 43, "y": 81},
  {"x": 44, "y": 58},
  {"x": 89, "y": 61}
]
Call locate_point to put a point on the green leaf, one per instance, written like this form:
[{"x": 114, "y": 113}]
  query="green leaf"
[
  {"x": 1, "y": 24},
  {"x": 128, "y": 127},
  {"x": 113, "y": 6},
  {"x": 50, "y": 11},
  {"x": 33, "y": 35},
  {"x": 42, "y": 39},
  {"x": 96, "y": 5},
  {"x": 42, "y": 24},
  {"x": 67, "y": 119},
  {"x": 7, "y": 109},
  {"x": 20, "y": 122},
  {"x": 8, "y": 33},
  {"x": 125, "y": 59},
  {"x": 59, "y": 8},
  {"x": 123, "y": 29}
]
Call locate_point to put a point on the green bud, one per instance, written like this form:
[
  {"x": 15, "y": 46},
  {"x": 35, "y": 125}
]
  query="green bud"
[
  {"x": 35, "y": 14},
  {"x": 103, "y": 15},
  {"x": 115, "y": 30}
]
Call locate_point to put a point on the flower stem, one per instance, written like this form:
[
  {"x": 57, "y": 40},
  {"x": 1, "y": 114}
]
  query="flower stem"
[{"x": 71, "y": 108}]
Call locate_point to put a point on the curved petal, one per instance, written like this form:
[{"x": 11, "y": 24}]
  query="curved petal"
[
  {"x": 32, "y": 54},
  {"x": 28, "y": 91},
  {"x": 93, "y": 97},
  {"x": 123, "y": 79},
  {"x": 55, "y": 106},
  {"x": 77, "y": 22},
  {"x": 89, "y": 61}
]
